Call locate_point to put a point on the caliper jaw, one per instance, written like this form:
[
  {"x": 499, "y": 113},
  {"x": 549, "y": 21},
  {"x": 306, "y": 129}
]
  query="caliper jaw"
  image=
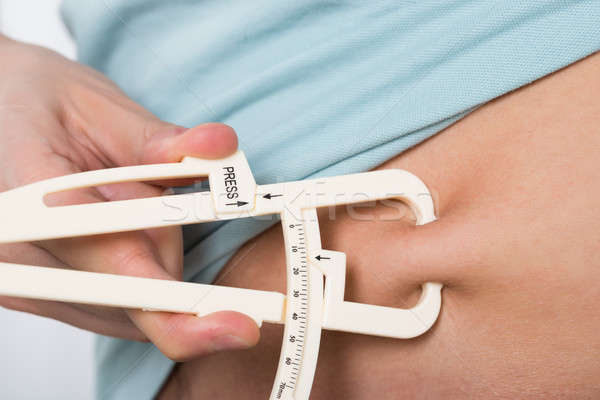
[{"x": 347, "y": 316}]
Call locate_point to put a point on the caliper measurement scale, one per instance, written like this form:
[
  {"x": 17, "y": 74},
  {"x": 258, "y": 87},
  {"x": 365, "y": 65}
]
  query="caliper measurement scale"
[
  {"x": 302, "y": 333},
  {"x": 315, "y": 276}
]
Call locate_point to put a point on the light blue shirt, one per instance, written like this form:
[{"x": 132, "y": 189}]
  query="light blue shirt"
[{"x": 313, "y": 88}]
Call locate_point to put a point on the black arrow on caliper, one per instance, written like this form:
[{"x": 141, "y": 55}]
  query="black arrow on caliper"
[
  {"x": 320, "y": 257},
  {"x": 269, "y": 196},
  {"x": 237, "y": 203}
]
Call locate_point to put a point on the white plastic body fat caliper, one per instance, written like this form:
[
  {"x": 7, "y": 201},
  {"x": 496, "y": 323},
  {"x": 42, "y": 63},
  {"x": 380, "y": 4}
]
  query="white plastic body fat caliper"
[{"x": 315, "y": 277}]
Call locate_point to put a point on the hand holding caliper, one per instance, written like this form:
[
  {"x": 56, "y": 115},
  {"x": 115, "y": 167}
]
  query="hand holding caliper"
[{"x": 234, "y": 194}]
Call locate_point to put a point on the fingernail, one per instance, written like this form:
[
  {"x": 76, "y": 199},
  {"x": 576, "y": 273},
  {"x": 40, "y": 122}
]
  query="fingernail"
[{"x": 229, "y": 342}]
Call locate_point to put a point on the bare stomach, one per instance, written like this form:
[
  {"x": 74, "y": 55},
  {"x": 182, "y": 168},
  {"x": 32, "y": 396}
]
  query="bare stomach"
[{"x": 516, "y": 185}]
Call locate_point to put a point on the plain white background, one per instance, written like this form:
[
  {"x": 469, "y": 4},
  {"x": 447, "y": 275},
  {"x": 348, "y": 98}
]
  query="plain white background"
[{"x": 40, "y": 358}]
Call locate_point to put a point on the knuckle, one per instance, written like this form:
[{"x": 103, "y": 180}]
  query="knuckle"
[{"x": 133, "y": 259}]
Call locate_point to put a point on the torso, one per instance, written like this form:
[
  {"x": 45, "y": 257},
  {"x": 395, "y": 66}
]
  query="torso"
[{"x": 519, "y": 319}]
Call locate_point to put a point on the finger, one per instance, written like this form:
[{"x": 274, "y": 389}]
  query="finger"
[
  {"x": 168, "y": 241},
  {"x": 110, "y": 319},
  {"x": 176, "y": 335},
  {"x": 169, "y": 244},
  {"x": 209, "y": 141},
  {"x": 127, "y": 134},
  {"x": 182, "y": 337},
  {"x": 74, "y": 316},
  {"x": 27, "y": 253}
]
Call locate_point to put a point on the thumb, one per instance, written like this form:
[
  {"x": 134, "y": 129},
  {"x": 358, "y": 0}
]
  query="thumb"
[
  {"x": 123, "y": 133},
  {"x": 211, "y": 140}
]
